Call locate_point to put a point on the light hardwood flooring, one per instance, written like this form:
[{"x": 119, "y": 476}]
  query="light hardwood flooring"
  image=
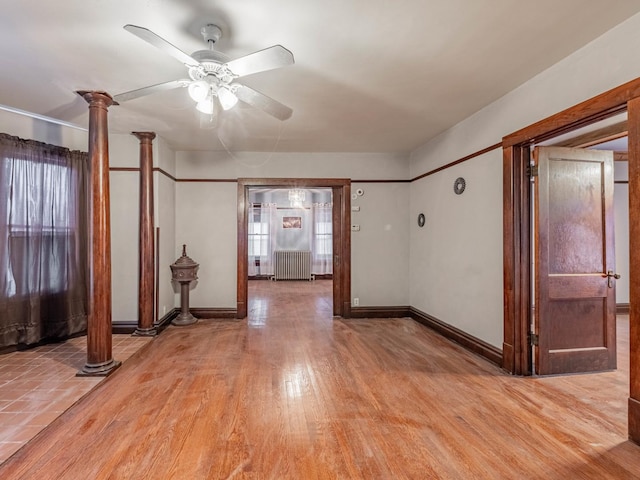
[{"x": 292, "y": 393}]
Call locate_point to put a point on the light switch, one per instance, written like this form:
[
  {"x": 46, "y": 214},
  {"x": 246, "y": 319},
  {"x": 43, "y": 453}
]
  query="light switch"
[
  {"x": 355, "y": 228},
  {"x": 355, "y": 208}
]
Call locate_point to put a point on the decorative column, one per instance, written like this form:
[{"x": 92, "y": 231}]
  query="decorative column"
[
  {"x": 146, "y": 256},
  {"x": 633, "y": 115},
  {"x": 100, "y": 361}
]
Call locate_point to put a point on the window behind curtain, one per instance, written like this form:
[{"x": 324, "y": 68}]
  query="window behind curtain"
[{"x": 43, "y": 246}]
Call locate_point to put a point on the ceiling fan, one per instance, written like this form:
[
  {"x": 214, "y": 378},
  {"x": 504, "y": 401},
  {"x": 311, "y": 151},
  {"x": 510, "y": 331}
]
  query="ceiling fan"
[{"x": 212, "y": 76}]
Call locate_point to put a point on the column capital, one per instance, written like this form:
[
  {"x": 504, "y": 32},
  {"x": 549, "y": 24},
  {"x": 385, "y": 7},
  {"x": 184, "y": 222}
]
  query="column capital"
[
  {"x": 144, "y": 136},
  {"x": 97, "y": 98}
]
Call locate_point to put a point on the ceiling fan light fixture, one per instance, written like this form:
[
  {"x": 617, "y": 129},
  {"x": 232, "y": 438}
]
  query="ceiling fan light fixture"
[
  {"x": 227, "y": 98},
  {"x": 199, "y": 90},
  {"x": 206, "y": 106}
]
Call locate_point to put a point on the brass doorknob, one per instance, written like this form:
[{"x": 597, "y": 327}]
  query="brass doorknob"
[{"x": 610, "y": 276}]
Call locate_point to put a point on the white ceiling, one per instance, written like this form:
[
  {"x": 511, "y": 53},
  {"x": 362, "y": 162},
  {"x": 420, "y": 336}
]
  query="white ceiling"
[{"x": 370, "y": 75}]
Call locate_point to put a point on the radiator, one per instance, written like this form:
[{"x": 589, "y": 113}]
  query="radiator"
[{"x": 292, "y": 265}]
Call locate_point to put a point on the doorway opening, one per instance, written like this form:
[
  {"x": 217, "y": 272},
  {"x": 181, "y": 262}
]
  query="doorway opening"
[
  {"x": 570, "y": 335},
  {"x": 279, "y": 231}
]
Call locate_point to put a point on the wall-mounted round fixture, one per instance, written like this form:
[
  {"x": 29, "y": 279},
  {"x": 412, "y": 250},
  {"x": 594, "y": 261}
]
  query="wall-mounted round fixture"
[
  {"x": 354, "y": 196},
  {"x": 459, "y": 185},
  {"x": 359, "y": 192},
  {"x": 421, "y": 220}
]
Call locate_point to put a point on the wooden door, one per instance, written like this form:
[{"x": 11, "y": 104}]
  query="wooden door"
[{"x": 575, "y": 299}]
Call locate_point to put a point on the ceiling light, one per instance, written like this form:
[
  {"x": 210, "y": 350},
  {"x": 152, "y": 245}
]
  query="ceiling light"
[
  {"x": 227, "y": 98},
  {"x": 206, "y": 106},
  {"x": 199, "y": 90},
  {"x": 296, "y": 198}
]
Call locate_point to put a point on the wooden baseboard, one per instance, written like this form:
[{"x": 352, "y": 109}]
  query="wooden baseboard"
[
  {"x": 380, "y": 312},
  {"x": 622, "y": 309},
  {"x": 214, "y": 312},
  {"x": 130, "y": 326},
  {"x": 480, "y": 347}
]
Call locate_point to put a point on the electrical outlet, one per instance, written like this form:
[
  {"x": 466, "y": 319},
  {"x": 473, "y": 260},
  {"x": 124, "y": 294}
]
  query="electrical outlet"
[{"x": 356, "y": 302}]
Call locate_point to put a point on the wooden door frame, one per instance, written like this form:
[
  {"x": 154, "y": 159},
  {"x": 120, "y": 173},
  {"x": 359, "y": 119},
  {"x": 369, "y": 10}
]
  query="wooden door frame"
[
  {"x": 341, "y": 215},
  {"x": 517, "y": 231}
]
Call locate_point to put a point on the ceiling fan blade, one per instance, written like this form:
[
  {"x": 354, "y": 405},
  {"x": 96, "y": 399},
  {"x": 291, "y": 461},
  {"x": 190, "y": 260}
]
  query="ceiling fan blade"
[
  {"x": 159, "y": 42},
  {"x": 259, "y": 100},
  {"x": 141, "y": 92},
  {"x": 267, "y": 59}
]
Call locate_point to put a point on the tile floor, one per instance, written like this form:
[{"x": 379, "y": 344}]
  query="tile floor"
[{"x": 37, "y": 385}]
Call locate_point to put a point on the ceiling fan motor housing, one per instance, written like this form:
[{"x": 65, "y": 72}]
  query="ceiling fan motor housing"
[{"x": 211, "y": 33}]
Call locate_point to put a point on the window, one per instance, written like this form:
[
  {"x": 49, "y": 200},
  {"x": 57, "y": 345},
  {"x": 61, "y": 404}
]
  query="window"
[
  {"x": 40, "y": 227},
  {"x": 258, "y": 235},
  {"x": 43, "y": 241},
  {"x": 324, "y": 238}
]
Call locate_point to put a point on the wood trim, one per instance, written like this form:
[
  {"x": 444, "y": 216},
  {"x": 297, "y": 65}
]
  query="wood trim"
[
  {"x": 381, "y": 181},
  {"x": 207, "y": 313},
  {"x": 344, "y": 276},
  {"x": 207, "y": 180},
  {"x": 459, "y": 161},
  {"x": 295, "y": 182},
  {"x": 596, "y": 137},
  {"x": 620, "y": 156},
  {"x": 624, "y": 182},
  {"x": 242, "y": 291},
  {"x": 124, "y": 169},
  {"x": 474, "y": 344},
  {"x": 622, "y": 309},
  {"x": 342, "y": 272},
  {"x": 633, "y": 116},
  {"x": 130, "y": 326},
  {"x": 157, "y": 273},
  {"x": 165, "y": 173},
  {"x": 598, "y": 108},
  {"x": 516, "y": 261},
  {"x": 380, "y": 312}
]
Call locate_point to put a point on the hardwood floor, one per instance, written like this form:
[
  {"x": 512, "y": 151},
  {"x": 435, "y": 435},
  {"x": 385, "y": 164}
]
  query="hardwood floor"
[{"x": 292, "y": 393}]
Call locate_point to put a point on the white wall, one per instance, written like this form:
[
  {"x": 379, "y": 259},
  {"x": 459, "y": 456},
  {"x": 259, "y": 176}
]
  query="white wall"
[
  {"x": 29, "y": 128},
  {"x": 380, "y": 250},
  {"x": 206, "y": 221},
  {"x": 206, "y": 214},
  {"x": 456, "y": 258},
  {"x": 124, "y": 151},
  {"x": 165, "y": 219},
  {"x": 621, "y": 219},
  {"x": 472, "y": 302}
]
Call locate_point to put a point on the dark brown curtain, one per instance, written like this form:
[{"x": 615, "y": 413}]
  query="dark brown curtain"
[{"x": 43, "y": 241}]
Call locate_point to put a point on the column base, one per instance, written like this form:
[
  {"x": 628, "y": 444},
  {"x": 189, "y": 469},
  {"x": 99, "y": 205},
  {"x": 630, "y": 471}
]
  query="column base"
[
  {"x": 184, "y": 319},
  {"x": 103, "y": 369},
  {"x": 145, "y": 332}
]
